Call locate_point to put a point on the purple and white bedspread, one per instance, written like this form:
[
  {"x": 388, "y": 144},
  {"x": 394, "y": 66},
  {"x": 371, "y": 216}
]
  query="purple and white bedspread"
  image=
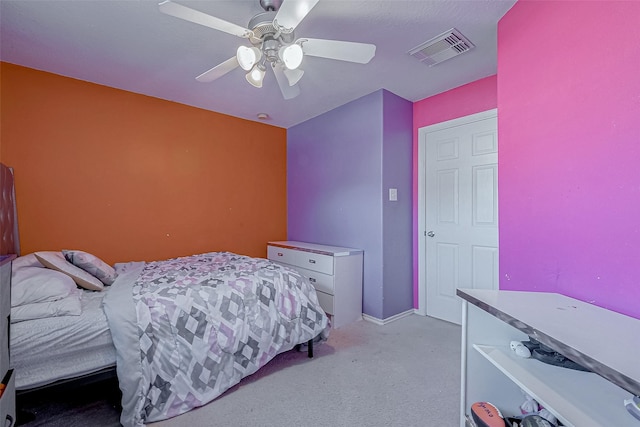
[{"x": 188, "y": 329}]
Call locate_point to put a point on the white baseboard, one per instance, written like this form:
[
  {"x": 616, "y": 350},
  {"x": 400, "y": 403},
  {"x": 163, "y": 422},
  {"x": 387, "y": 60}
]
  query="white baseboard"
[{"x": 382, "y": 322}]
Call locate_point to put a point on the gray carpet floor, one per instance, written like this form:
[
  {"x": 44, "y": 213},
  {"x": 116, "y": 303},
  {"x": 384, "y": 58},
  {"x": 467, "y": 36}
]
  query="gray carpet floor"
[{"x": 405, "y": 373}]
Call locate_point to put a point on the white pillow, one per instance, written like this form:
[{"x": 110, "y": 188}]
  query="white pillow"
[
  {"x": 68, "y": 306},
  {"x": 56, "y": 261},
  {"x": 26, "y": 261},
  {"x": 37, "y": 284}
]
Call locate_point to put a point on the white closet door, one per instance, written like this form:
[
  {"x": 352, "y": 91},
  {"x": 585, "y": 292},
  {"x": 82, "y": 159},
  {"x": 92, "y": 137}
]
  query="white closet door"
[{"x": 461, "y": 212}]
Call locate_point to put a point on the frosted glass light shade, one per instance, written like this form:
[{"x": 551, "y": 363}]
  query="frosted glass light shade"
[
  {"x": 248, "y": 57},
  {"x": 291, "y": 56},
  {"x": 255, "y": 76}
]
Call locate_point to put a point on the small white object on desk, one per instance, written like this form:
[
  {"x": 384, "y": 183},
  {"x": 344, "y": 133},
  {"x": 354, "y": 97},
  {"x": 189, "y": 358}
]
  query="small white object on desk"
[
  {"x": 633, "y": 406},
  {"x": 519, "y": 349}
]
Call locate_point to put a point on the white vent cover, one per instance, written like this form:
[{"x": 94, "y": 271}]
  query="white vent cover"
[{"x": 440, "y": 48}]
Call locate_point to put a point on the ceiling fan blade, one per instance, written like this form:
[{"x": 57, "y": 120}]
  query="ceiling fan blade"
[
  {"x": 292, "y": 12},
  {"x": 288, "y": 92},
  {"x": 218, "y": 71},
  {"x": 293, "y": 76},
  {"x": 340, "y": 50},
  {"x": 183, "y": 12}
]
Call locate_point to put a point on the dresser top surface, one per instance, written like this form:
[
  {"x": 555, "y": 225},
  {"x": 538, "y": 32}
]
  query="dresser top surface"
[
  {"x": 604, "y": 341},
  {"x": 316, "y": 248}
]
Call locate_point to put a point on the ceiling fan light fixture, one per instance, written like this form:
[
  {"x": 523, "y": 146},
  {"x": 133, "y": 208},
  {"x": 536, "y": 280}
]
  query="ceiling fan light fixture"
[
  {"x": 271, "y": 34},
  {"x": 248, "y": 56},
  {"x": 291, "y": 56},
  {"x": 256, "y": 75},
  {"x": 293, "y": 76}
]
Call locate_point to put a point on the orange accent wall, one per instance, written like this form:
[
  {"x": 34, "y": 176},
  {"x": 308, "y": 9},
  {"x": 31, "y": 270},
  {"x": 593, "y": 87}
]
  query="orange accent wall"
[{"x": 130, "y": 177}]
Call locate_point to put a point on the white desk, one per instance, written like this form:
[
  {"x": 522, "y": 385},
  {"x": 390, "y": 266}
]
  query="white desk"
[{"x": 603, "y": 341}]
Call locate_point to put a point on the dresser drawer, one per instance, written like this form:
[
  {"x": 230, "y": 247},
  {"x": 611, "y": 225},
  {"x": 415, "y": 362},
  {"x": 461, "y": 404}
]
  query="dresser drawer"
[
  {"x": 335, "y": 272},
  {"x": 320, "y": 281},
  {"x": 287, "y": 256},
  {"x": 326, "y": 302},
  {"x": 315, "y": 262}
]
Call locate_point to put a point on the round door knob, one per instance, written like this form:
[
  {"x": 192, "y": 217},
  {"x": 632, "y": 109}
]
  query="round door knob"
[{"x": 431, "y": 234}]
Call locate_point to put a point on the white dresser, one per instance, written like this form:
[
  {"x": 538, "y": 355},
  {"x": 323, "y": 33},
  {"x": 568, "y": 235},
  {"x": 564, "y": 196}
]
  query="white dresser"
[
  {"x": 335, "y": 272},
  {"x": 605, "y": 342},
  {"x": 8, "y": 399}
]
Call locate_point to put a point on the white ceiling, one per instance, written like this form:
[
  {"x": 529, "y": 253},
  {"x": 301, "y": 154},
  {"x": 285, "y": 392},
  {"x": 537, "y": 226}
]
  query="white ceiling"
[{"x": 131, "y": 45}]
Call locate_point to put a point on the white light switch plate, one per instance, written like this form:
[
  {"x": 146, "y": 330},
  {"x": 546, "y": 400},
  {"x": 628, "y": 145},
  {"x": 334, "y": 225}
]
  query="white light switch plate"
[{"x": 393, "y": 194}]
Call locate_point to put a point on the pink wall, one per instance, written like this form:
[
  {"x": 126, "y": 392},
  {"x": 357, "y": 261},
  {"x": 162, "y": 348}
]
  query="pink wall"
[
  {"x": 471, "y": 98},
  {"x": 569, "y": 150}
]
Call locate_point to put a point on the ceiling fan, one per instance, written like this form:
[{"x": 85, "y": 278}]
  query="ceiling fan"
[{"x": 273, "y": 43}]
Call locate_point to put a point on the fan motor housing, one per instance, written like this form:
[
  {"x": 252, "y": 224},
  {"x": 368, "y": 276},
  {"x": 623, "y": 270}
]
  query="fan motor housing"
[
  {"x": 270, "y": 4},
  {"x": 263, "y": 28}
]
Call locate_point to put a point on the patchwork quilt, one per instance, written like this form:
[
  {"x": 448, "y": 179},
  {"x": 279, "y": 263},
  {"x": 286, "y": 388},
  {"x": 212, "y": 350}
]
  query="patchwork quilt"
[{"x": 187, "y": 329}]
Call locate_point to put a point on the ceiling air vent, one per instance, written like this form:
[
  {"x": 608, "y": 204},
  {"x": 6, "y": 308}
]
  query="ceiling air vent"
[{"x": 440, "y": 48}]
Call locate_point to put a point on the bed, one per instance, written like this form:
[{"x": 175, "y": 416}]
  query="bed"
[{"x": 179, "y": 332}]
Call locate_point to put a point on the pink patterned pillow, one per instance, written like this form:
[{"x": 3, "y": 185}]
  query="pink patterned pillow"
[{"x": 92, "y": 265}]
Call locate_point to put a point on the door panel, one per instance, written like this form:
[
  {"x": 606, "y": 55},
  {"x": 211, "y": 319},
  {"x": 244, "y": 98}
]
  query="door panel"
[
  {"x": 485, "y": 267},
  {"x": 447, "y": 265},
  {"x": 448, "y": 149},
  {"x": 485, "y": 198},
  {"x": 448, "y": 196}
]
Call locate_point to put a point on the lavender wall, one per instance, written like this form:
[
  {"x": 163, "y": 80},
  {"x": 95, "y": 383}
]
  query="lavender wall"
[
  {"x": 335, "y": 188},
  {"x": 569, "y": 156},
  {"x": 397, "y": 216}
]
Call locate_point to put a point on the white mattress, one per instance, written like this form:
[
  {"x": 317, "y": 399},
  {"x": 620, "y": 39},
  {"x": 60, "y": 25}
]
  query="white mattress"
[{"x": 46, "y": 350}]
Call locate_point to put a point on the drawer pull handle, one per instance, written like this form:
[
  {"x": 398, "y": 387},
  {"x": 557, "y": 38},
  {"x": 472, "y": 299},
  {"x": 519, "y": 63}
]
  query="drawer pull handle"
[
  {"x": 280, "y": 254},
  {"x": 312, "y": 261},
  {"x": 312, "y": 280}
]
